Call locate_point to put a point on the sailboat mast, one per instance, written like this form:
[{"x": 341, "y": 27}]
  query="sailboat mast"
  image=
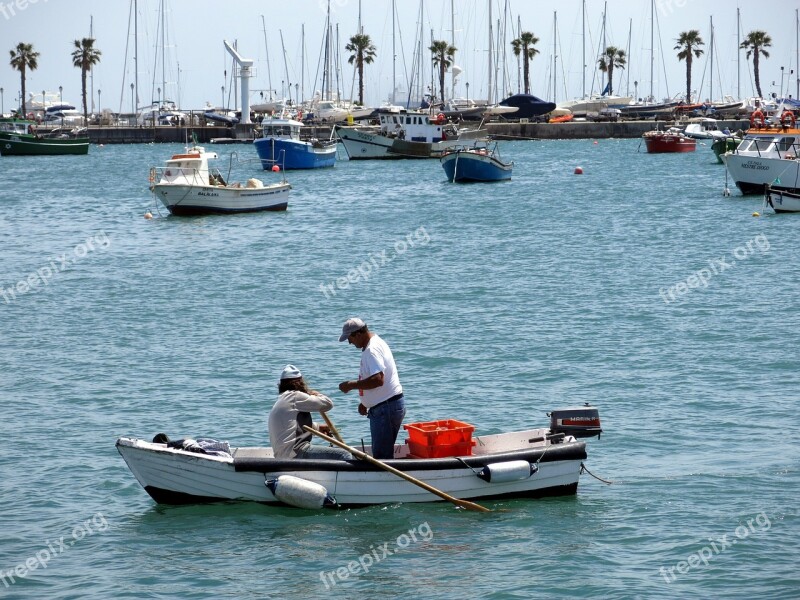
[
  {"x": 797, "y": 49},
  {"x": 711, "y": 92},
  {"x": 738, "y": 57},
  {"x": 519, "y": 62},
  {"x": 583, "y": 48},
  {"x": 555, "y": 56},
  {"x": 136, "y": 50},
  {"x": 453, "y": 43},
  {"x": 491, "y": 56},
  {"x": 163, "y": 51},
  {"x": 652, "y": 45},
  {"x": 285, "y": 65},
  {"x": 326, "y": 78},
  {"x": 91, "y": 71},
  {"x": 603, "y": 49},
  {"x": 266, "y": 50},
  {"x": 394, "y": 55},
  {"x": 627, "y": 72},
  {"x": 302, "y": 62}
]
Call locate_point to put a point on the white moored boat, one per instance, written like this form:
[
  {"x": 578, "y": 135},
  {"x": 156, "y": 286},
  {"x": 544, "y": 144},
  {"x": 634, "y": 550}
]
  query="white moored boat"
[
  {"x": 187, "y": 186},
  {"x": 532, "y": 463},
  {"x": 405, "y": 134},
  {"x": 766, "y": 156},
  {"x": 782, "y": 202}
]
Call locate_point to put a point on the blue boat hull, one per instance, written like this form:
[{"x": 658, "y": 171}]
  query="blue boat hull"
[
  {"x": 290, "y": 154},
  {"x": 471, "y": 166}
]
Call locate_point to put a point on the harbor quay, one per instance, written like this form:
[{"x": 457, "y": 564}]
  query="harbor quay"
[{"x": 497, "y": 130}]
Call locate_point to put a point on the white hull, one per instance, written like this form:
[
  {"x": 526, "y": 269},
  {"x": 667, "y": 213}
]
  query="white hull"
[
  {"x": 177, "y": 476},
  {"x": 782, "y": 202},
  {"x": 366, "y": 145},
  {"x": 191, "y": 199},
  {"x": 595, "y": 104},
  {"x": 752, "y": 173}
]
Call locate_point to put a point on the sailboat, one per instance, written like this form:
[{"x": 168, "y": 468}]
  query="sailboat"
[{"x": 593, "y": 103}]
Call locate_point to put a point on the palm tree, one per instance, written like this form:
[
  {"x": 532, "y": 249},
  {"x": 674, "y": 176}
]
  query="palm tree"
[
  {"x": 524, "y": 45},
  {"x": 363, "y": 53},
  {"x": 23, "y": 58},
  {"x": 612, "y": 58},
  {"x": 754, "y": 43},
  {"x": 689, "y": 43},
  {"x": 85, "y": 56},
  {"x": 443, "y": 54}
]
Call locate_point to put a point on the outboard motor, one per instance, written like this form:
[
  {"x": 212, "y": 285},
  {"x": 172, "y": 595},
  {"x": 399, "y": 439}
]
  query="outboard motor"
[{"x": 581, "y": 422}]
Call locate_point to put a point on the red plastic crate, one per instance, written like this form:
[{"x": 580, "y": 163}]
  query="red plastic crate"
[
  {"x": 440, "y": 451},
  {"x": 439, "y": 433},
  {"x": 435, "y": 439}
]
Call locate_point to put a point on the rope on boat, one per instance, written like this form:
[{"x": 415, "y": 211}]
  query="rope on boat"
[{"x": 585, "y": 470}]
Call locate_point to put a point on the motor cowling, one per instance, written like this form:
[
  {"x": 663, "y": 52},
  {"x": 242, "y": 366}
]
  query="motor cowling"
[{"x": 580, "y": 422}]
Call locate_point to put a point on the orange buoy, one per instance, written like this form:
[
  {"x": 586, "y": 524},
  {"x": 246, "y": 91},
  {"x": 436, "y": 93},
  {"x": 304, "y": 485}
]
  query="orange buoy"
[
  {"x": 595, "y": 142},
  {"x": 148, "y": 215},
  {"x": 275, "y": 168},
  {"x": 578, "y": 171}
]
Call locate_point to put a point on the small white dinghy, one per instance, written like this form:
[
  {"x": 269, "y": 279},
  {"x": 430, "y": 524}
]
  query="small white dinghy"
[
  {"x": 782, "y": 201},
  {"x": 187, "y": 186},
  {"x": 530, "y": 463}
]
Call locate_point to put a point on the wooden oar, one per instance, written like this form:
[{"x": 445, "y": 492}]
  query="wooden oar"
[
  {"x": 358, "y": 454},
  {"x": 332, "y": 427}
]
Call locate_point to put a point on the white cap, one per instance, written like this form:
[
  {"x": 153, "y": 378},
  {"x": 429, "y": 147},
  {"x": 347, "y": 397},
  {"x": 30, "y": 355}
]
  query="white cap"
[
  {"x": 351, "y": 326},
  {"x": 291, "y": 372}
]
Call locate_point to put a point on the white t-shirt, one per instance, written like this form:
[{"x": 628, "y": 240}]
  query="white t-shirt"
[{"x": 377, "y": 358}]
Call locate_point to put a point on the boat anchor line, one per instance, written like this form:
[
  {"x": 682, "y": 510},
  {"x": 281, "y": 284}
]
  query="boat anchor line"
[{"x": 585, "y": 470}]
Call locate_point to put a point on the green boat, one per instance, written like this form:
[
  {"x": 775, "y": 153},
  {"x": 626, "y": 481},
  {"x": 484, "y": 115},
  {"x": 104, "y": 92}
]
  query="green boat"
[
  {"x": 723, "y": 145},
  {"x": 20, "y": 138}
]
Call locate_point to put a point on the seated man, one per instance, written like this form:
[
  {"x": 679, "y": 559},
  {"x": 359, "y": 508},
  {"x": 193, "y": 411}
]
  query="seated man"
[{"x": 291, "y": 412}]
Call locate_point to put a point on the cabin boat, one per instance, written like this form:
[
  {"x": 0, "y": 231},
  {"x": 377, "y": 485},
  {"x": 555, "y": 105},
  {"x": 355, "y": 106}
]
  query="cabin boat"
[
  {"x": 405, "y": 134},
  {"x": 280, "y": 144},
  {"x": 703, "y": 128},
  {"x": 529, "y": 463},
  {"x": 20, "y": 138},
  {"x": 766, "y": 156},
  {"x": 187, "y": 186},
  {"x": 670, "y": 140}
]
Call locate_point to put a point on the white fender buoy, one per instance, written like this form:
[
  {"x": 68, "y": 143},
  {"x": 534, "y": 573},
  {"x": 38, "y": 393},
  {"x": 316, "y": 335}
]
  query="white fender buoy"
[
  {"x": 513, "y": 470},
  {"x": 301, "y": 493}
]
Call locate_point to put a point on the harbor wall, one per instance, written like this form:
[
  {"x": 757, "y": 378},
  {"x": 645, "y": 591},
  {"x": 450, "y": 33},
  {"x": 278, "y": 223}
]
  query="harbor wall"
[
  {"x": 500, "y": 131},
  {"x": 588, "y": 130}
]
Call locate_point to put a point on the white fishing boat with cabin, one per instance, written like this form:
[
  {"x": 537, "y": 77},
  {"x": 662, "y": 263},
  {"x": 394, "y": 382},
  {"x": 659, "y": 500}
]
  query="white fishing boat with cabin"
[
  {"x": 405, "y": 134},
  {"x": 187, "y": 186}
]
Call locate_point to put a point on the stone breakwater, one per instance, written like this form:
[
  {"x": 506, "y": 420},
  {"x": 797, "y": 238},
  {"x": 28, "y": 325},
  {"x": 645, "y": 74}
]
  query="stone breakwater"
[{"x": 500, "y": 131}]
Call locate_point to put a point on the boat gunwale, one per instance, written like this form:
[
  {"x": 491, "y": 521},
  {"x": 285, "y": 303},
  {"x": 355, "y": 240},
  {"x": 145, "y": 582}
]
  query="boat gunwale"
[{"x": 570, "y": 449}]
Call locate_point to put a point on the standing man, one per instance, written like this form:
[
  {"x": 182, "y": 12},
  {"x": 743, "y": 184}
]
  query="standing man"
[{"x": 378, "y": 386}]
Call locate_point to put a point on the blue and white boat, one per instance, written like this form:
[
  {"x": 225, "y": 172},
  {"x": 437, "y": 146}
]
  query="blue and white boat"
[
  {"x": 281, "y": 145},
  {"x": 475, "y": 163}
]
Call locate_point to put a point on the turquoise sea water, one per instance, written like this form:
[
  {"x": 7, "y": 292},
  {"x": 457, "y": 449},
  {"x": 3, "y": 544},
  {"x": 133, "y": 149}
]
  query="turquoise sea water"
[{"x": 500, "y": 302}]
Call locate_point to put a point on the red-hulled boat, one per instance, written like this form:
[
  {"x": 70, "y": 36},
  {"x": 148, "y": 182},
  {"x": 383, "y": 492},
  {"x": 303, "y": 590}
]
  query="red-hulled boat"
[{"x": 671, "y": 140}]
